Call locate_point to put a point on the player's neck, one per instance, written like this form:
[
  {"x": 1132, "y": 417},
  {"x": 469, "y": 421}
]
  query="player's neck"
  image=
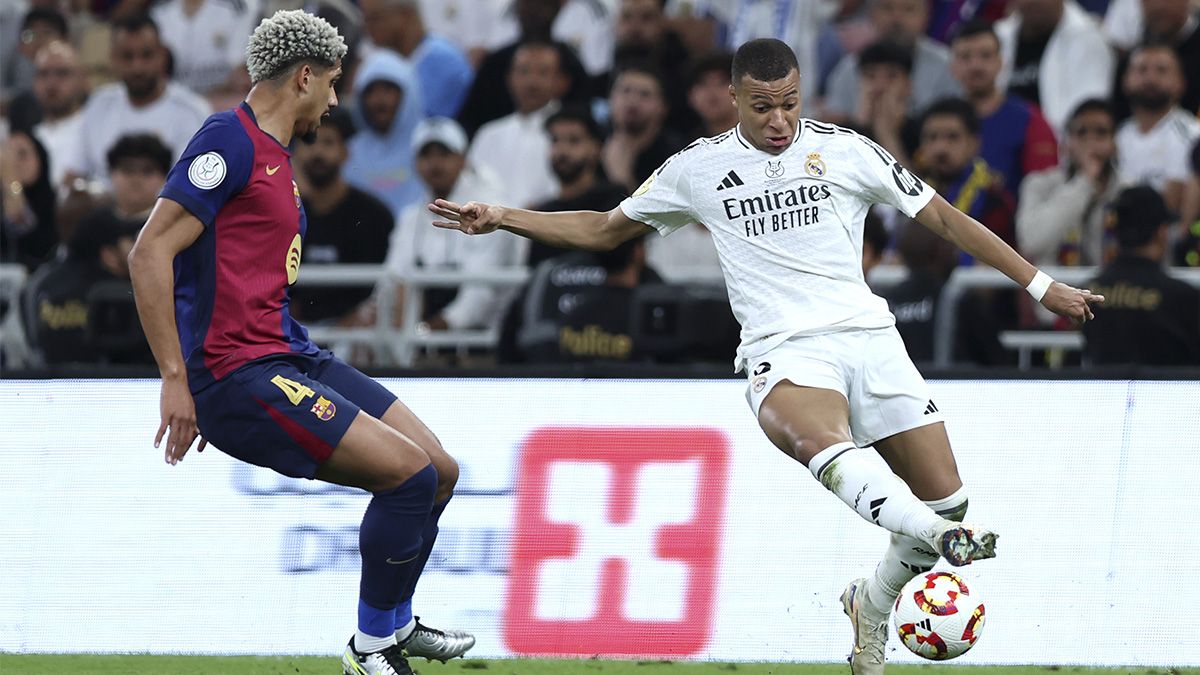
[{"x": 273, "y": 115}]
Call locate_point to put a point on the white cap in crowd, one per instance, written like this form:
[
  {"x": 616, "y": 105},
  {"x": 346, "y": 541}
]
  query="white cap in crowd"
[{"x": 442, "y": 130}]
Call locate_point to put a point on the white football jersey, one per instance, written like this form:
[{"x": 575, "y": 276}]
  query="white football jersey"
[{"x": 788, "y": 228}]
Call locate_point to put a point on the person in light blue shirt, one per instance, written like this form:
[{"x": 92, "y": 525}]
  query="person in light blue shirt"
[{"x": 443, "y": 71}]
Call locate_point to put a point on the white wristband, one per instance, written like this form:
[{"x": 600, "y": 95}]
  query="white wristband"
[{"x": 1040, "y": 284}]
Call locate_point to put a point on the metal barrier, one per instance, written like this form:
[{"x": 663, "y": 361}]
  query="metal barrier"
[
  {"x": 12, "y": 328},
  {"x": 967, "y": 278},
  {"x": 397, "y": 343}
]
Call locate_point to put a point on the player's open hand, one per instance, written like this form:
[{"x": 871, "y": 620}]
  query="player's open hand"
[
  {"x": 471, "y": 218},
  {"x": 1073, "y": 303},
  {"x": 178, "y": 411}
]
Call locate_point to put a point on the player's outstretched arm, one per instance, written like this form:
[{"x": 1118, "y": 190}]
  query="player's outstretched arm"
[
  {"x": 589, "y": 230},
  {"x": 983, "y": 244},
  {"x": 170, "y": 229}
]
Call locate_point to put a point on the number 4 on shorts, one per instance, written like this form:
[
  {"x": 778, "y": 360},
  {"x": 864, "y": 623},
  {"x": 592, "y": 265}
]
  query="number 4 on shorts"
[{"x": 295, "y": 391}]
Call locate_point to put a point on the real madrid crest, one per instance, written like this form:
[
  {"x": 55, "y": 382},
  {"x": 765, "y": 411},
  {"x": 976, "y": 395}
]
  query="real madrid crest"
[
  {"x": 813, "y": 166},
  {"x": 774, "y": 169}
]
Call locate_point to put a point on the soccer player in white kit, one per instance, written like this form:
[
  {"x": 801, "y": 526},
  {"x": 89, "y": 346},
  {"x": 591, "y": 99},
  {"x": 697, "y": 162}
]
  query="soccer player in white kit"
[{"x": 784, "y": 199}]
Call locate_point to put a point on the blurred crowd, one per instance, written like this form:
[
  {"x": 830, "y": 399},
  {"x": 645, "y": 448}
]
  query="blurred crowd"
[{"x": 1067, "y": 127}]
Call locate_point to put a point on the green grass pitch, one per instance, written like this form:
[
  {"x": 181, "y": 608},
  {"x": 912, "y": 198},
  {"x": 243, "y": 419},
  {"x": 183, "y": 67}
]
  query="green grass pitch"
[{"x": 29, "y": 664}]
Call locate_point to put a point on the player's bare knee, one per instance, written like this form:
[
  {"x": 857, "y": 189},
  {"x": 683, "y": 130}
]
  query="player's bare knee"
[
  {"x": 403, "y": 464},
  {"x": 804, "y": 448},
  {"x": 447, "y": 469}
]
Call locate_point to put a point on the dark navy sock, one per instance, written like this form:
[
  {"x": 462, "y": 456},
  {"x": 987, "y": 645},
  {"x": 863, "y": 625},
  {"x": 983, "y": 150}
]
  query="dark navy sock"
[
  {"x": 390, "y": 543},
  {"x": 428, "y": 537}
]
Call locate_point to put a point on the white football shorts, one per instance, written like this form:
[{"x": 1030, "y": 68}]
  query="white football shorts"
[{"x": 870, "y": 367}]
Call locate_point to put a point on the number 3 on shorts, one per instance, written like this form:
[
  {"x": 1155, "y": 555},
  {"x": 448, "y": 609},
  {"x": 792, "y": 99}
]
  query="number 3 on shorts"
[{"x": 295, "y": 391}]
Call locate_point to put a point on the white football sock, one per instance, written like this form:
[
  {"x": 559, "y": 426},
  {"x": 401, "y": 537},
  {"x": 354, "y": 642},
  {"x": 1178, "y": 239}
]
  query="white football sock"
[
  {"x": 874, "y": 492},
  {"x": 368, "y": 644},
  {"x": 404, "y": 631},
  {"x": 906, "y": 557}
]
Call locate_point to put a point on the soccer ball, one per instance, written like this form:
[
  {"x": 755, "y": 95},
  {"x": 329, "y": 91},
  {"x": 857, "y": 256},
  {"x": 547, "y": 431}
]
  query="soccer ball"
[{"x": 937, "y": 616}]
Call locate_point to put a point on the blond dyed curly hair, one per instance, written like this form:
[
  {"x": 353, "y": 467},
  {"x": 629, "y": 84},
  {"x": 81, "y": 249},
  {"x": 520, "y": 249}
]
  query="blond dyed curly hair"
[{"x": 290, "y": 37}]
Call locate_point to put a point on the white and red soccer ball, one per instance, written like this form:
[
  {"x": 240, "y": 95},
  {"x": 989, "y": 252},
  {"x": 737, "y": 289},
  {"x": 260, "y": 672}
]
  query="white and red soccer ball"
[{"x": 937, "y": 616}]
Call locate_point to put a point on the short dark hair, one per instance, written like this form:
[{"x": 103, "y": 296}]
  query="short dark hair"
[
  {"x": 886, "y": 53},
  {"x": 1158, "y": 45},
  {"x": 140, "y": 146},
  {"x": 1092, "y": 105},
  {"x": 45, "y": 15},
  {"x": 340, "y": 119},
  {"x": 641, "y": 67},
  {"x": 1138, "y": 212},
  {"x": 953, "y": 107},
  {"x": 765, "y": 59},
  {"x": 134, "y": 23},
  {"x": 712, "y": 62},
  {"x": 543, "y": 43},
  {"x": 579, "y": 115},
  {"x": 974, "y": 28}
]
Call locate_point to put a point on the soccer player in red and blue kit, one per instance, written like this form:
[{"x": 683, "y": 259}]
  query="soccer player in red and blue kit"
[{"x": 211, "y": 272}]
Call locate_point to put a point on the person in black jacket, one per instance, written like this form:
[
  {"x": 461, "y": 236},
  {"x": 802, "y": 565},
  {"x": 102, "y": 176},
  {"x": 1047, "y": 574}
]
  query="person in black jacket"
[{"x": 1148, "y": 317}]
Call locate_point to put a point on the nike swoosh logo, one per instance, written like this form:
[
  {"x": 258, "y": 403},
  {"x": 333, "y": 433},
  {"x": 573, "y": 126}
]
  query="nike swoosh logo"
[
  {"x": 401, "y": 562},
  {"x": 271, "y": 171}
]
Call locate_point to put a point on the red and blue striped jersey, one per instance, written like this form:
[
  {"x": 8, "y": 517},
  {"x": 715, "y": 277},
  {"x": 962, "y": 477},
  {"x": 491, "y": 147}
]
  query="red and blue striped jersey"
[{"x": 231, "y": 284}]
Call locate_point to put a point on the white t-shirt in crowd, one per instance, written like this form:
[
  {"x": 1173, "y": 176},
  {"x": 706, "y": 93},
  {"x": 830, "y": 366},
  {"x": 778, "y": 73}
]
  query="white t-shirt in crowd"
[
  {"x": 466, "y": 23},
  {"x": 516, "y": 147},
  {"x": 174, "y": 118},
  {"x": 60, "y": 138},
  {"x": 417, "y": 245},
  {"x": 1160, "y": 155},
  {"x": 788, "y": 228},
  {"x": 208, "y": 45}
]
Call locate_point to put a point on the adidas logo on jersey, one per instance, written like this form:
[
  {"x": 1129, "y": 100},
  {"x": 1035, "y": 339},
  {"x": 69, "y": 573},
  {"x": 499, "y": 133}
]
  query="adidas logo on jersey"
[{"x": 731, "y": 180}]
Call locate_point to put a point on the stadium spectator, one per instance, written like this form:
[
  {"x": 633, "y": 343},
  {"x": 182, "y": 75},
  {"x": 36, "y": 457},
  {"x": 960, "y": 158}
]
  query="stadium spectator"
[
  {"x": 950, "y": 162},
  {"x": 947, "y": 17},
  {"x": 39, "y": 27},
  {"x": 930, "y": 260},
  {"x": 145, "y": 100},
  {"x": 796, "y": 22},
  {"x": 903, "y": 23},
  {"x": 519, "y": 140},
  {"x": 28, "y": 214},
  {"x": 389, "y": 108},
  {"x": 575, "y": 144},
  {"x": 491, "y": 97},
  {"x": 60, "y": 88},
  {"x": 885, "y": 91},
  {"x": 643, "y": 37},
  {"x": 345, "y": 224},
  {"x": 1175, "y": 23},
  {"x": 1155, "y": 143},
  {"x": 1054, "y": 56},
  {"x": 443, "y": 72},
  {"x": 1061, "y": 216},
  {"x": 446, "y": 172},
  {"x": 467, "y": 23},
  {"x": 1015, "y": 138},
  {"x": 82, "y": 306},
  {"x": 577, "y": 308},
  {"x": 848, "y": 31},
  {"x": 586, "y": 25},
  {"x": 1147, "y": 318},
  {"x": 207, "y": 39},
  {"x": 75, "y": 307},
  {"x": 640, "y": 139},
  {"x": 708, "y": 95}
]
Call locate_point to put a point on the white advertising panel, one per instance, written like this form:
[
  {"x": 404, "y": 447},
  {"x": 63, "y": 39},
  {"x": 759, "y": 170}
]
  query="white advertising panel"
[{"x": 621, "y": 518}]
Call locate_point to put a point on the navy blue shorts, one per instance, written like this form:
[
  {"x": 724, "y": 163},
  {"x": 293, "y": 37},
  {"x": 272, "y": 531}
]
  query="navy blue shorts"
[{"x": 287, "y": 412}]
